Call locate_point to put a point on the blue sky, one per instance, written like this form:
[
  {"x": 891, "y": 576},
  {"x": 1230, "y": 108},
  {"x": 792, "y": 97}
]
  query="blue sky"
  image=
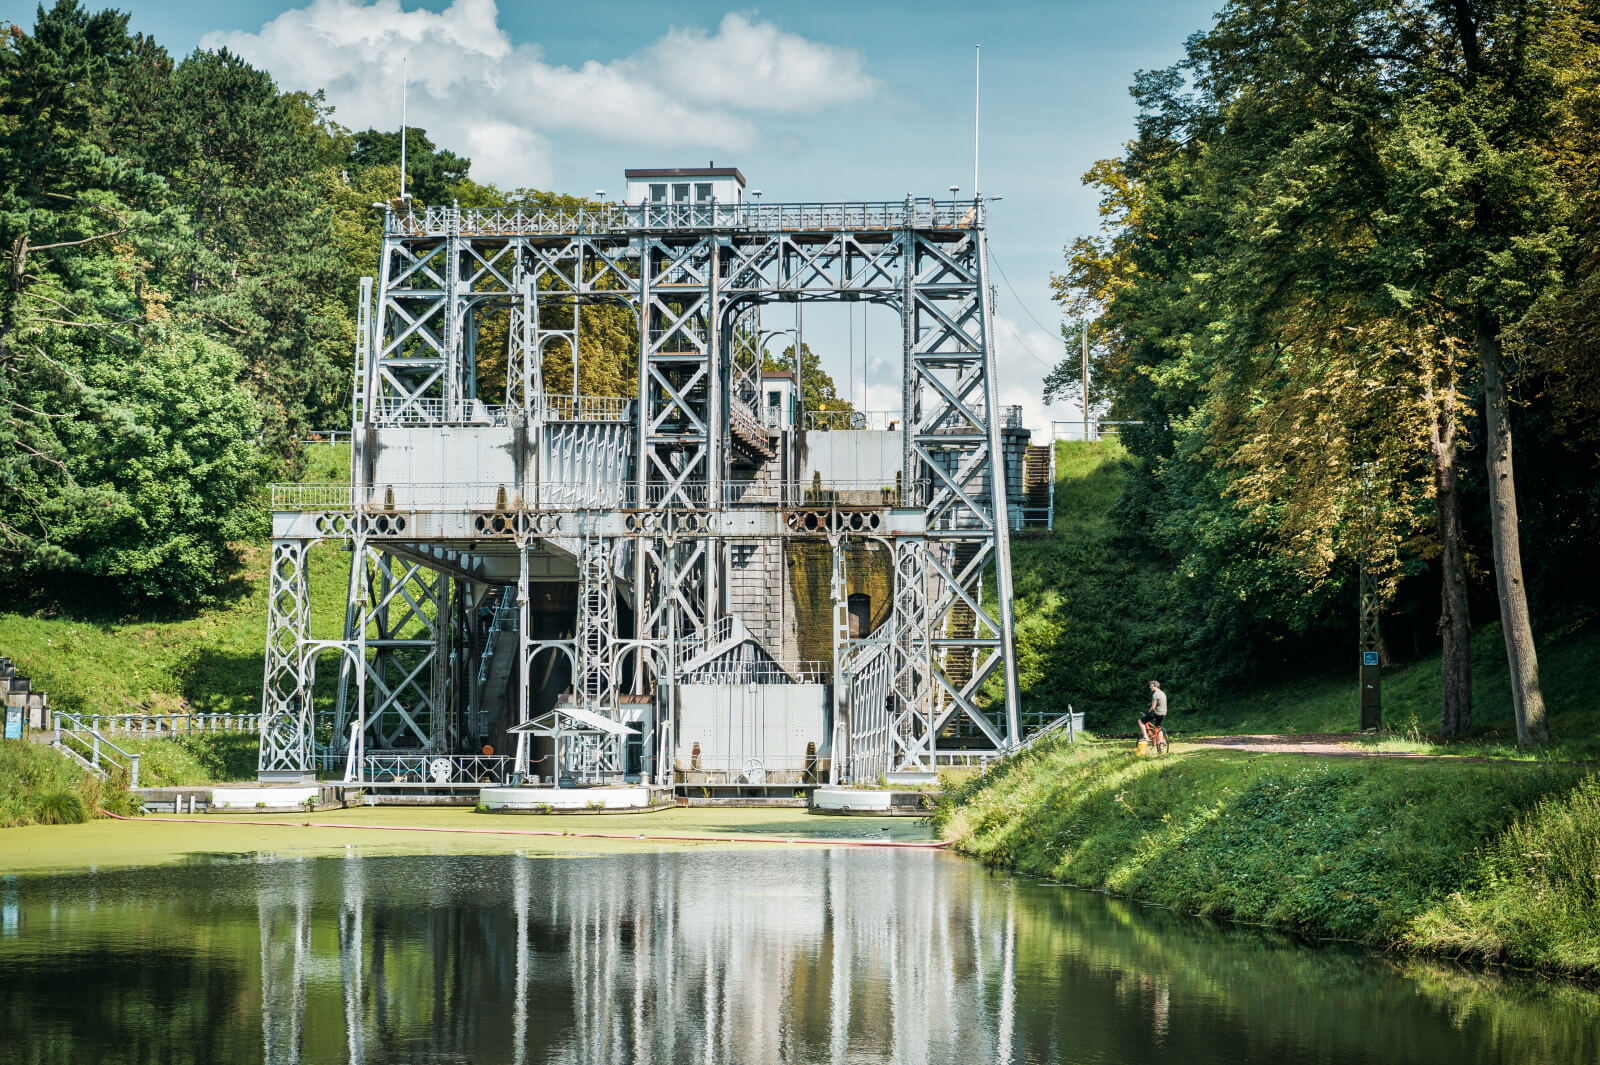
[{"x": 849, "y": 101}]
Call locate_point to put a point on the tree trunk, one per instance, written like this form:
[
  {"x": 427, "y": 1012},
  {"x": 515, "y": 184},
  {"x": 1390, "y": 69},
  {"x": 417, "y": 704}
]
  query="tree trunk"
[
  {"x": 1455, "y": 622},
  {"x": 1526, "y": 699}
]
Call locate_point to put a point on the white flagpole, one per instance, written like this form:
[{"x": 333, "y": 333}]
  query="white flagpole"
[
  {"x": 403, "y": 86},
  {"x": 977, "y": 99}
]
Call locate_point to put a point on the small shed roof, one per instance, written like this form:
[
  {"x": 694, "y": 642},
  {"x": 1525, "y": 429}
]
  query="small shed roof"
[{"x": 582, "y": 721}]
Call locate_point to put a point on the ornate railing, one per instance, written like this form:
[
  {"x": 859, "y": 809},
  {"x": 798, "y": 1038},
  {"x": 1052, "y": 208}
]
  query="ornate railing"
[
  {"x": 164, "y": 724},
  {"x": 624, "y": 218},
  {"x": 432, "y": 410},
  {"x": 424, "y": 770},
  {"x": 837, "y": 420},
  {"x": 585, "y": 495},
  {"x": 553, "y": 408},
  {"x": 762, "y": 671}
]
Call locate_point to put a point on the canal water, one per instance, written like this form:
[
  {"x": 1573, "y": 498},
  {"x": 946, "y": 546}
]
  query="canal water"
[{"x": 791, "y": 955}]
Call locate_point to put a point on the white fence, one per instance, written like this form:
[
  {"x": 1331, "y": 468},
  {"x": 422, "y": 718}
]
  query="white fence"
[{"x": 1095, "y": 430}]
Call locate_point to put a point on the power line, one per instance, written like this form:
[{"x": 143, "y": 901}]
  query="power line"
[
  {"x": 1031, "y": 353},
  {"x": 1025, "y": 346},
  {"x": 994, "y": 259}
]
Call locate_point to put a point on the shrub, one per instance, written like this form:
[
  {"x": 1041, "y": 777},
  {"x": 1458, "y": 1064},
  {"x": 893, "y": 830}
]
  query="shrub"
[{"x": 59, "y": 806}]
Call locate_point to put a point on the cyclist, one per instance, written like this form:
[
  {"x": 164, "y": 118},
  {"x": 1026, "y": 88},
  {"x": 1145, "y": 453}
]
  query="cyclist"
[{"x": 1152, "y": 723}]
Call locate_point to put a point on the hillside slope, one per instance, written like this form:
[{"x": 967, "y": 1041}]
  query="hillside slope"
[
  {"x": 1093, "y": 628},
  {"x": 94, "y": 658}
]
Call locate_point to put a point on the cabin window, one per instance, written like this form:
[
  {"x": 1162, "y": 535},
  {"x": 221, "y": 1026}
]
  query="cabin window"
[
  {"x": 702, "y": 193},
  {"x": 680, "y": 194},
  {"x": 658, "y": 193}
]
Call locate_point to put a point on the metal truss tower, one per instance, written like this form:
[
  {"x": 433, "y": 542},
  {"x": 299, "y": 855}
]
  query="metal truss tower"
[{"x": 464, "y": 507}]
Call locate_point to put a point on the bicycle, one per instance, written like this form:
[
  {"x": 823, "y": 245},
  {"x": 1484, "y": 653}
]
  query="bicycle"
[{"x": 1155, "y": 734}]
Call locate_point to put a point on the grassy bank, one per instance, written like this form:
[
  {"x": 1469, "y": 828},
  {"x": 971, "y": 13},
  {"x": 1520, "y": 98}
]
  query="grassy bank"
[
  {"x": 1494, "y": 862},
  {"x": 39, "y": 786},
  {"x": 1095, "y": 622},
  {"x": 1569, "y": 657}
]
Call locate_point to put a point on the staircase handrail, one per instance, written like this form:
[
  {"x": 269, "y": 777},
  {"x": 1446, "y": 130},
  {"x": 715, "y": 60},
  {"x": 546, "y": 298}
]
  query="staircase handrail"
[{"x": 71, "y": 729}]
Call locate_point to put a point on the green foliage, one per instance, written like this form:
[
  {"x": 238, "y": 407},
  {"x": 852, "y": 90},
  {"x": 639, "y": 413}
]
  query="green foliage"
[
  {"x": 817, "y": 390},
  {"x": 176, "y": 477},
  {"x": 1098, "y": 616},
  {"x": 1328, "y": 209},
  {"x": 39, "y": 785},
  {"x": 59, "y": 807},
  {"x": 166, "y": 300},
  {"x": 259, "y": 265},
  {"x": 1360, "y": 850},
  {"x": 431, "y": 172}
]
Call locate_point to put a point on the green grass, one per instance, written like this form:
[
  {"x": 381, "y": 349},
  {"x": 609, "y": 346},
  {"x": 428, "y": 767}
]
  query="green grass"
[
  {"x": 1089, "y": 619},
  {"x": 1433, "y": 856},
  {"x": 90, "y": 659},
  {"x": 1536, "y": 900},
  {"x": 1569, "y": 659},
  {"x": 197, "y": 758},
  {"x": 209, "y": 661},
  {"x": 41, "y": 786},
  {"x": 326, "y": 464}
]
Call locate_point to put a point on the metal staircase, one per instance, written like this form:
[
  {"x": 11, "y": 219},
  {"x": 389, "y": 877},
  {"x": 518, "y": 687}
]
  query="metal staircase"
[{"x": 1038, "y": 487}]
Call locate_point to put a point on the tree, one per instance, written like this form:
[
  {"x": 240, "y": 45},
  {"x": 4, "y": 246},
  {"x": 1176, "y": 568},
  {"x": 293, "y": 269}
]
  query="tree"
[
  {"x": 260, "y": 268},
  {"x": 1325, "y": 205},
  {"x": 175, "y": 474},
  {"x": 64, "y": 209},
  {"x": 126, "y": 442},
  {"x": 430, "y": 171},
  {"x": 817, "y": 390}
]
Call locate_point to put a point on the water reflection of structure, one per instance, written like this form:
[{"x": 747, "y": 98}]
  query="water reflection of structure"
[{"x": 748, "y": 957}]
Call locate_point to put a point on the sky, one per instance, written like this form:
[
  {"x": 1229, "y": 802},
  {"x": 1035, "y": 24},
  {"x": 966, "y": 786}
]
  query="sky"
[{"x": 821, "y": 100}]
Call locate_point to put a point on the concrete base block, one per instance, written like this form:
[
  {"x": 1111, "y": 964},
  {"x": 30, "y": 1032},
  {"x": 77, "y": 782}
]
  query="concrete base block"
[
  {"x": 248, "y": 798},
  {"x": 875, "y": 802},
  {"x": 568, "y": 800}
]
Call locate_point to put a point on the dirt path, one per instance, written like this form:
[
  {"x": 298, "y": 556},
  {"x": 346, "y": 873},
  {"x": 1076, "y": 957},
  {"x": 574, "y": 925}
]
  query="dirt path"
[
  {"x": 1340, "y": 745},
  {"x": 1327, "y": 744}
]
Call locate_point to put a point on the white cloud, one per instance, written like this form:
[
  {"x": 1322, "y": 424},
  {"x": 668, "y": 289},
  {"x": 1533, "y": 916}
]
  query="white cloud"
[
  {"x": 756, "y": 65},
  {"x": 478, "y": 93}
]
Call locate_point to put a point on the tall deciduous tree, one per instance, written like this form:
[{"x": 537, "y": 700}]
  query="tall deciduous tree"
[
  {"x": 126, "y": 442},
  {"x": 1327, "y": 202}
]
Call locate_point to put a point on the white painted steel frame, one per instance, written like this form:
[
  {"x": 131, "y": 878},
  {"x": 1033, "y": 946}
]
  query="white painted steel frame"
[{"x": 695, "y": 281}]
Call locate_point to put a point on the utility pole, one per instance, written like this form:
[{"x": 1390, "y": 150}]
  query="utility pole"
[
  {"x": 1086, "y": 379},
  {"x": 1371, "y": 683},
  {"x": 1371, "y": 695}
]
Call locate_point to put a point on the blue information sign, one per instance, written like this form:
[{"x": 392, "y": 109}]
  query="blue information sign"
[
  {"x": 13, "y": 722},
  {"x": 1369, "y": 658}
]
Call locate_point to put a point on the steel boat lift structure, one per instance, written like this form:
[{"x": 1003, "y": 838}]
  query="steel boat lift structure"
[{"x": 574, "y": 589}]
